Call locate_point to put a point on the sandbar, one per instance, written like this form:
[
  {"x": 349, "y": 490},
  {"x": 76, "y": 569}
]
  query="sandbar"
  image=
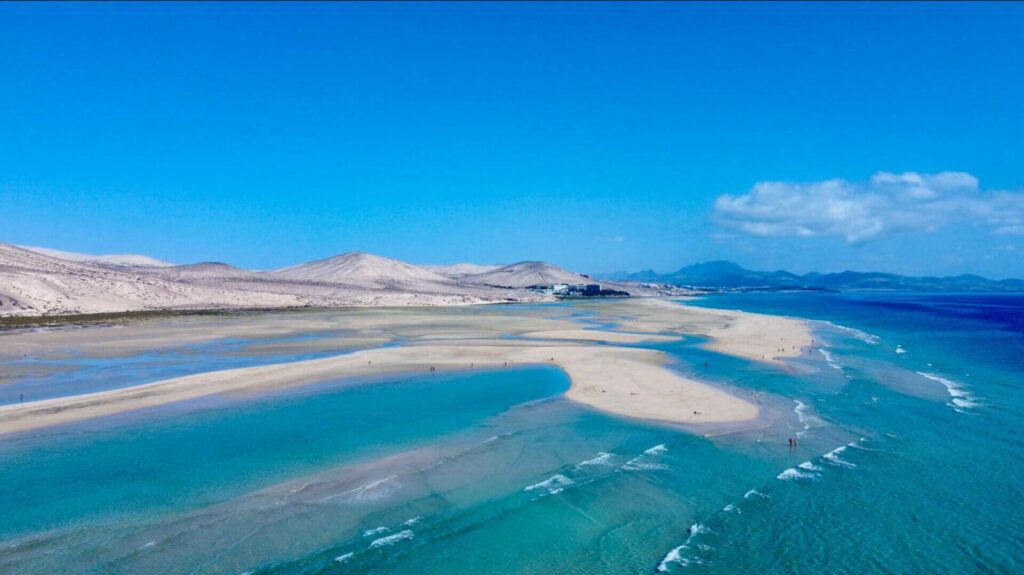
[{"x": 626, "y": 381}]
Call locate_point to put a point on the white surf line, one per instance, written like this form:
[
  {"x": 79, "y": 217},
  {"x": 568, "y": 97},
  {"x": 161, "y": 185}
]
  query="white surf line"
[
  {"x": 960, "y": 398},
  {"x": 859, "y": 334},
  {"x": 810, "y": 470},
  {"x": 804, "y": 416},
  {"x": 833, "y": 457},
  {"x": 676, "y": 555},
  {"x": 553, "y": 485},
  {"x": 642, "y": 462},
  {"x": 794, "y": 473},
  {"x": 829, "y": 359},
  {"x": 602, "y": 458},
  {"x": 392, "y": 539},
  {"x": 364, "y": 492}
]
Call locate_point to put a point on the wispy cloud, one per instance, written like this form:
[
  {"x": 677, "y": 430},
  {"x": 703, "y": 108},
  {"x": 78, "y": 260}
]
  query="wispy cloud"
[{"x": 861, "y": 211}]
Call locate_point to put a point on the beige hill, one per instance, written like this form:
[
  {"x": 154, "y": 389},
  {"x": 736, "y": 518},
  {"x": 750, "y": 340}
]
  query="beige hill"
[
  {"x": 366, "y": 270},
  {"x": 462, "y": 270},
  {"x": 525, "y": 274},
  {"x": 33, "y": 284},
  {"x": 205, "y": 270}
]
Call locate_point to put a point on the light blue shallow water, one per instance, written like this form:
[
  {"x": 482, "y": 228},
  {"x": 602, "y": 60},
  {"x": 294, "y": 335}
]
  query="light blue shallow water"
[
  {"x": 909, "y": 462},
  {"x": 73, "y": 374}
]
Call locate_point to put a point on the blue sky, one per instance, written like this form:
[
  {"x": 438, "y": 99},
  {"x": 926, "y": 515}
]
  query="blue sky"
[{"x": 600, "y": 137}]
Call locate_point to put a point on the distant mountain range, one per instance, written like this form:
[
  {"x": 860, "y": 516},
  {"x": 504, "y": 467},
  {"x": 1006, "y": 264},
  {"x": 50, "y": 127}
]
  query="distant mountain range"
[{"x": 728, "y": 275}]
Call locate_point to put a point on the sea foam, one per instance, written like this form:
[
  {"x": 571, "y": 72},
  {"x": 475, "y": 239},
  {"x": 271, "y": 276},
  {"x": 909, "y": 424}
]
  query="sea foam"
[
  {"x": 392, "y": 539},
  {"x": 601, "y": 459},
  {"x": 676, "y": 555},
  {"x": 794, "y": 473},
  {"x": 553, "y": 485},
  {"x": 804, "y": 416},
  {"x": 959, "y": 397},
  {"x": 829, "y": 359},
  {"x": 861, "y": 335},
  {"x": 372, "y": 491},
  {"x": 656, "y": 450},
  {"x": 833, "y": 457},
  {"x": 808, "y": 466},
  {"x": 643, "y": 462}
]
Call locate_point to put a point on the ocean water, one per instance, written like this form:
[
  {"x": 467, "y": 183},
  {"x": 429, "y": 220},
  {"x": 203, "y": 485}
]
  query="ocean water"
[{"x": 910, "y": 460}]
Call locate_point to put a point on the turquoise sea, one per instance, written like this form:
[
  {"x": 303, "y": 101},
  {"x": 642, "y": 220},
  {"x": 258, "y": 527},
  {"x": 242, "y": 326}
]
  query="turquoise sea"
[{"x": 910, "y": 460}]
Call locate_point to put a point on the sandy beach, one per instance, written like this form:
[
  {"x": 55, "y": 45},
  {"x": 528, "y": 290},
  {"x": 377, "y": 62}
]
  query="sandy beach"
[{"x": 605, "y": 375}]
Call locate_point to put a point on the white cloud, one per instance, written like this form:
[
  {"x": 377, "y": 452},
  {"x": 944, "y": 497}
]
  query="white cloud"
[{"x": 861, "y": 211}]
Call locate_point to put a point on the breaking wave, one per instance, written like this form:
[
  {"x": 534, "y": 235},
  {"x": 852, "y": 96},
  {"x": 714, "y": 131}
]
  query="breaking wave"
[
  {"x": 373, "y": 491},
  {"x": 677, "y": 555},
  {"x": 656, "y": 450},
  {"x": 804, "y": 416},
  {"x": 959, "y": 397},
  {"x": 601, "y": 459},
  {"x": 553, "y": 485},
  {"x": 833, "y": 457},
  {"x": 808, "y": 466},
  {"x": 794, "y": 473},
  {"x": 643, "y": 461},
  {"x": 392, "y": 539},
  {"x": 861, "y": 335},
  {"x": 829, "y": 359}
]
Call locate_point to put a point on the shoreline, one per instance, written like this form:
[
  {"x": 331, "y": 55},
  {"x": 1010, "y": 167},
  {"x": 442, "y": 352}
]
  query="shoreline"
[
  {"x": 643, "y": 389},
  {"x": 631, "y": 382}
]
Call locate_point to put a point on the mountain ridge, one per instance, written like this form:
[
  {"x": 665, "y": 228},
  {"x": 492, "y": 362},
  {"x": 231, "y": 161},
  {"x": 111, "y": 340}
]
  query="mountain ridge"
[{"x": 724, "y": 274}]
